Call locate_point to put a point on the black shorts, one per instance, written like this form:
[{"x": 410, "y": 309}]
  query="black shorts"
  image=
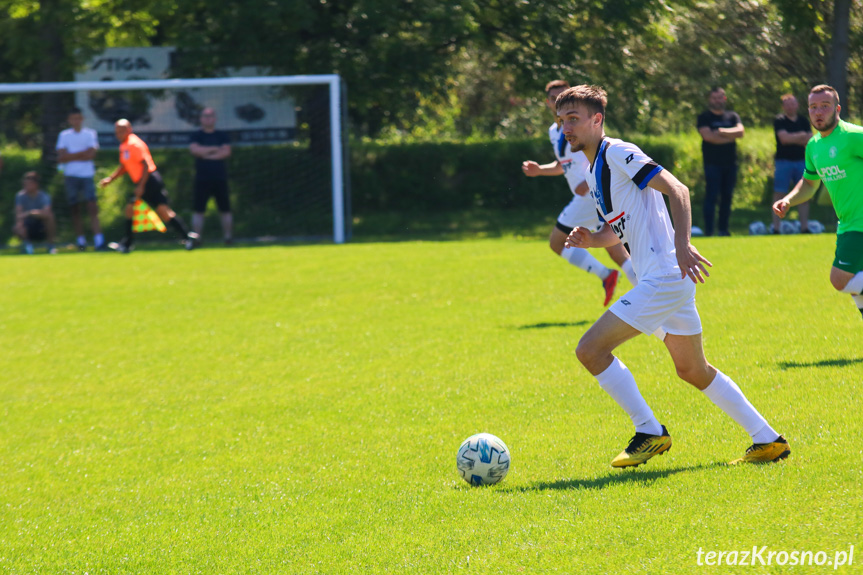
[
  {"x": 205, "y": 189},
  {"x": 154, "y": 191},
  {"x": 35, "y": 229}
]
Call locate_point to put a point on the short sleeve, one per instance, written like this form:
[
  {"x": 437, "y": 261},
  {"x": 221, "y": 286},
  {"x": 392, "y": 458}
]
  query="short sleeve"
[
  {"x": 629, "y": 159},
  {"x": 60, "y": 144},
  {"x": 94, "y": 140},
  {"x": 702, "y": 121},
  {"x": 224, "y": 138},
  {"x": 809, "y": 171}
]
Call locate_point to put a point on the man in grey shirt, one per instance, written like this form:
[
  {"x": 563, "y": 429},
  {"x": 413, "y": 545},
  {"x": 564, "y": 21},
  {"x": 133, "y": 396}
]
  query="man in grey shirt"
[{"x": 34, "y": 219}]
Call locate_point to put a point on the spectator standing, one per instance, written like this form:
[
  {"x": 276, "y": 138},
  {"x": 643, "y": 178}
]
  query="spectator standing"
[
  {"x": 76, "y": 148},
  {"x": 719, "y": 130},
  {"x": 211, "y": 148},
  {"x": 792, "y": 133},
  {"x": 34, "y": 219}
]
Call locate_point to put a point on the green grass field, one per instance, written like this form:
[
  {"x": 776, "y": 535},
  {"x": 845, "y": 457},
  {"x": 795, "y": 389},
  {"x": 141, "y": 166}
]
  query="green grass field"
[{"x": 298, "y": 410}]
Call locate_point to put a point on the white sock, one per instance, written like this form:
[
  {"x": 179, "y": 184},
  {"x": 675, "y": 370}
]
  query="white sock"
[
  {"x": 82, "y": 241},
  {"x": 727, "y": 396},
  {"x": 98, "y": 239},
  {"x": 617, "y": 381},
  {"x": 581, "y": 258},
  {"x": 858, "y": 299},
  {"x": 854, "y": 285},
  {"x": 629, "y": 271}
]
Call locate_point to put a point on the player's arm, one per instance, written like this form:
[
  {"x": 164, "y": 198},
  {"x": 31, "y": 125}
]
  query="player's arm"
[
  {"x": 532, "y": 169},
  {"x": 581, "y": 189},
  {"x": 117, "y": 173},
  {"x": 802, "y": 192},
  {"x": 690, "y": 261},
  {"x": 583, "y": 238},
  {"x": 198, "y": 150}
]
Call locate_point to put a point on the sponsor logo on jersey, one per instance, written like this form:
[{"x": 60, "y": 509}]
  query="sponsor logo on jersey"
[
  {"x": 832, "y": 151},
  {"x": 831, "y": 173}
]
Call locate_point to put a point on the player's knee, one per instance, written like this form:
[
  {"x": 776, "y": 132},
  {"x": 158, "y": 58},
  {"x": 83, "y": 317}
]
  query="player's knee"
[
  {"x": 838, "y": 280},
  {"x": 586, "y": 353},
  {"x": 694, "y": 374}
]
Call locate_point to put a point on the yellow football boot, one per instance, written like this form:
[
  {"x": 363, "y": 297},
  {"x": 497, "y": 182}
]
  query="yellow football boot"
[
  {"x": 765, "y": 452},
  {"x": 642, "y": 447}
]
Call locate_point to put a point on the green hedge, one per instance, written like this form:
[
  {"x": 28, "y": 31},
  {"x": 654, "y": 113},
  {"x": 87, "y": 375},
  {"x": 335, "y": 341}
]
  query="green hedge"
[
  {"x": 445, "y": 176},
  {"x": 388, "y": 178}
]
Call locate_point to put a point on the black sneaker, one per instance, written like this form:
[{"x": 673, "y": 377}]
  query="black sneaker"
[
  {"x": 82, "y": 248},
  {"x": 642, "y": 447},
  {"x": 192, "y": 241}
]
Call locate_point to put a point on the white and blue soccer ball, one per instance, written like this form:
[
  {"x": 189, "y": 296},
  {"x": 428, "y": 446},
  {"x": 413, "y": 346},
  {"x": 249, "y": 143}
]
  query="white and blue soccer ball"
[{"x": 483, "y": 459}]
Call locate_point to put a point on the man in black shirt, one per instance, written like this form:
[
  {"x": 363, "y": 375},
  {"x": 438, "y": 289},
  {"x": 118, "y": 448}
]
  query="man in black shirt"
[
  {"x": 792, "y": 132},
  {"x": 719, "y": 131},
  {"x": 211, "y": 149}
]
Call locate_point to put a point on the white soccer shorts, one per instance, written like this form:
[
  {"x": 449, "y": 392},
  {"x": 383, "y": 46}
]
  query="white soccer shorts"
[
  {"x": 660, "y": 306},
  {"x": 580, "y": 212}
]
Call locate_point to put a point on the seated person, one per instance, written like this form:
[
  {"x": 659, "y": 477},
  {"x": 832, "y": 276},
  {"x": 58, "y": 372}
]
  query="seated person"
[{"x": 34, "y": 220}]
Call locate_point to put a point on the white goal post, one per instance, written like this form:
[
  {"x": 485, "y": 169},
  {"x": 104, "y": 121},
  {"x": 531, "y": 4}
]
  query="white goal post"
[{"x": 340, "y": 201}]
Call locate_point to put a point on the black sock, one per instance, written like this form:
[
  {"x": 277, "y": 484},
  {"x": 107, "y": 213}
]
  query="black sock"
[
  {"x": 128, "y": 239},
  {"x": 180, "y": 226}
]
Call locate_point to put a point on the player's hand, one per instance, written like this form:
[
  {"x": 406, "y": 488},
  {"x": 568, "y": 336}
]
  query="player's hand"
[
  {"x": 104, "y": 182},
  {"x": 582, "y": 189},
  {"x": 692, "y": 264},
  {"x": 530, "y": 168},
  {"x": 579, "y": 238},
  {"x": 780, "y": 207}
]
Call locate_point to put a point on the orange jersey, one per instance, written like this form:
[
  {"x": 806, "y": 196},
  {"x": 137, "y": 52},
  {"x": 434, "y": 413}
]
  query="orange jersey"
[{"x": 132, "y": 152}]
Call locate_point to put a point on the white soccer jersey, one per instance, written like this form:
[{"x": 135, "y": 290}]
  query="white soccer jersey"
[
  {"x": 618, "y": 183},
  {"x": 574, "y": 164},
  {"x": 74, "y": 142}
]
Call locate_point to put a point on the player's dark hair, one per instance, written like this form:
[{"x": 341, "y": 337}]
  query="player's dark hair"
[
  {"x": 555, "y": 84},
  {"x": 74, "y": 110},
  {"x": 715, "y": 89},
  {"x": 32, "y": 176},
  {"x": 593, "y": 98},
  {"x": 825, "y": 88}
]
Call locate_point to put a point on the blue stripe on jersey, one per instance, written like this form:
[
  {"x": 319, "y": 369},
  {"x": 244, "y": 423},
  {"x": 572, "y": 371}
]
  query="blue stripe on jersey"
[
  {"x": 602, "y": 176},
  {"x": 645, "y": 174},
  {"x": 561, "y": 145}
]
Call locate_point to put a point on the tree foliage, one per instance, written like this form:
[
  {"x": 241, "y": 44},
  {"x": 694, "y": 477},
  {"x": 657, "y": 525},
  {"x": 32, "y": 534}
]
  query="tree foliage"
[{"x": 434, "y": 68}]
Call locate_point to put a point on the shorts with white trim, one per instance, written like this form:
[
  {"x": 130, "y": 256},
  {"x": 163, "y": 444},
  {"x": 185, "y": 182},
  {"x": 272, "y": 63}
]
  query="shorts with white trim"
[
  {"x": 660, "y": 305},
  {"x": 580, "y": 212}
]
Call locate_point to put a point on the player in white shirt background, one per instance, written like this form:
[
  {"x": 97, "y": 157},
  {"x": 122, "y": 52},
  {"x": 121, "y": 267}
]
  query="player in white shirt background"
[
  {"x": 76, "y": 149},
  {"x": 626, "y": 186},
  {"x": 581, "y": 211}
]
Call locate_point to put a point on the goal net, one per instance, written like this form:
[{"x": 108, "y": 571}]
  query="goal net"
[{"x": 286, "y": 173}]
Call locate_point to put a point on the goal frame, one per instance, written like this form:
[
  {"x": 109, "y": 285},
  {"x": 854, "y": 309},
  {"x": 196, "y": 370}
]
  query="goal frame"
[{"x": 338, "y": 144}]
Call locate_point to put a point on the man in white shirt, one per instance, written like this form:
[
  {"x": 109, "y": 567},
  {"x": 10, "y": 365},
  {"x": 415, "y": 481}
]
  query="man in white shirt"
[
  {"x": 76, "y": 148},
  {"x": 580, "y": 211},
  {"x": 627, "y": 187}
]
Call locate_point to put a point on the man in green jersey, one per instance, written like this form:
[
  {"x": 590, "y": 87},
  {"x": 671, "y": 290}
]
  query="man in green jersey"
[{"x": 834, "y": 156}]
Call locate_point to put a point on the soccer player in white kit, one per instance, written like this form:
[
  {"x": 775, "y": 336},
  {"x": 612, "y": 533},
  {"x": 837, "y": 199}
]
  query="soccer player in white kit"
[
  {"x": 626, "y": 186},
  {"x": 581, "y": 211}
]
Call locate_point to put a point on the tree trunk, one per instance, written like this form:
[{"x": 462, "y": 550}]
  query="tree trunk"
[
  {"x": 50, "y": 70},
  {"x": 837, "y": 63}
]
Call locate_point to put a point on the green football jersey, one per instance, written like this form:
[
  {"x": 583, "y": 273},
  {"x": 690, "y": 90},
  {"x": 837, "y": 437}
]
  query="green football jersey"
[{"x": 837, "y": 160}]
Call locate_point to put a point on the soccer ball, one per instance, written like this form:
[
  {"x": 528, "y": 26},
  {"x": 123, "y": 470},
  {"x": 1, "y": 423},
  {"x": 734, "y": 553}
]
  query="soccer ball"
[{"x": 483, "y": 459}]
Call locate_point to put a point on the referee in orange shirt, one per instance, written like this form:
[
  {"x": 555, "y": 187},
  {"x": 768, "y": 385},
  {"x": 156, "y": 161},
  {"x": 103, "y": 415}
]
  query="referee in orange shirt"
[{"x": 135, "y": 160}]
